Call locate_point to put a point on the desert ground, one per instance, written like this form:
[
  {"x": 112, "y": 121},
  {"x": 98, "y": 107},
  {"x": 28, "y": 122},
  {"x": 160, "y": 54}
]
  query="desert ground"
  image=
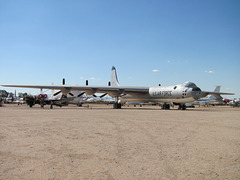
[{"x": 130, "y": 143}]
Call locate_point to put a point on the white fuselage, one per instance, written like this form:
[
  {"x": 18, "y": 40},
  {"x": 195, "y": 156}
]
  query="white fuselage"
[{"x": 163, "y": 94}]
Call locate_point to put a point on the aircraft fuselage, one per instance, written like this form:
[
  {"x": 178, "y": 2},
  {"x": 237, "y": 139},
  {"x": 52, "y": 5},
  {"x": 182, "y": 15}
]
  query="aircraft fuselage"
[{"x": 165, "y": 94}]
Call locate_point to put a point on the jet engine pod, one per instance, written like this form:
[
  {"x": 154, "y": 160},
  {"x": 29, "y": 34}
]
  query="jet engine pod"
[{"x": 196, "y": 93}]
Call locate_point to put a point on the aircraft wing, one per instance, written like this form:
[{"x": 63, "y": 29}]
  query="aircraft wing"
[
  {"x": 111, "y": 90},
  {"x": 63, "y": 100}
]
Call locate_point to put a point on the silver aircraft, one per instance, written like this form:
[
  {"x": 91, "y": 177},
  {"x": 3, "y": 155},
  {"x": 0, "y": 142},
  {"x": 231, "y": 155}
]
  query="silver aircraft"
[{"x": 176, "y": 94}]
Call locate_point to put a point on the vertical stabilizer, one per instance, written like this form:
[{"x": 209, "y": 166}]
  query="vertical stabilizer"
[
  {"x": 114, "y": 79},
  {"x": 217, "y": 89}
]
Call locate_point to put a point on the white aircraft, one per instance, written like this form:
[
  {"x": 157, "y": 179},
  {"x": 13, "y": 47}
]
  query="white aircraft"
[
  {"x": 177, "y": 94},
  {"x": 235, "y": 102}
]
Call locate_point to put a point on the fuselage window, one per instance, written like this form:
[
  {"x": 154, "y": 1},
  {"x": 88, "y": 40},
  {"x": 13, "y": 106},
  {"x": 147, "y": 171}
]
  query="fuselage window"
[{"x": 175, "y": 87}]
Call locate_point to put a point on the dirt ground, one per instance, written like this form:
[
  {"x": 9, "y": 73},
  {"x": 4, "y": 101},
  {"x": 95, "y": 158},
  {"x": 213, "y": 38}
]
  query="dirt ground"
[{"x": 131, "y": 143}]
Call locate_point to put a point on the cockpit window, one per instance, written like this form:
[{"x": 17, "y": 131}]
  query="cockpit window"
[
  {"x": 190, "y": 84},
  {"x": 175, "y": 87}
]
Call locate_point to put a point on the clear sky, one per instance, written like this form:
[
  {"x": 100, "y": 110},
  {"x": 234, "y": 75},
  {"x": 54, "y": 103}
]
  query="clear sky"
[{"x": 148, "y": 41}]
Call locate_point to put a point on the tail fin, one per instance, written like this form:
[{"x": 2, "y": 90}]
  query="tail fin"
[
  {"x": 217, "y": 89},
  {"x": 114, "y": 79}
]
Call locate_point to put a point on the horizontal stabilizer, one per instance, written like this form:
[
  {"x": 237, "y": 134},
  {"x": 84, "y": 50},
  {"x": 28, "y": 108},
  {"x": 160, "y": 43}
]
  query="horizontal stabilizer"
[
  {"x": 205, "y": 93},
  {"x": 218, "y": 98}
]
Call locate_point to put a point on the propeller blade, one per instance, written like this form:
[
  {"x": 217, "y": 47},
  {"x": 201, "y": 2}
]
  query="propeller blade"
[
  {"x": 63, "y": 82},
  {"x": 71, "y": 94},
  {"x": 103, "y": 95},
  {"x": 123, "y": 95},
  {"x": 57, "y": 93},
  {"x": 81, "y": 94}
]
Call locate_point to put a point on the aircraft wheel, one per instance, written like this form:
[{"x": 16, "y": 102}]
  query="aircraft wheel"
[
  {"x": 183, "y": 107},
  {"x": 117, "y": 106},
  {"x": 166, "y": 106}
]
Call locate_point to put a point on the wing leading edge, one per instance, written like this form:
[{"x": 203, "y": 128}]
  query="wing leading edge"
[{"x": 90, "y": 89}]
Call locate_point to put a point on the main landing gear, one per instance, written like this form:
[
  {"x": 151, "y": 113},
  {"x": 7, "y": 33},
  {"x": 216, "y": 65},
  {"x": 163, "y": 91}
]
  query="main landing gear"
[
  {"x": 166, "y": 106},
  {"x": 116, "y": 104},
  {"x": 182, "y": 107}
]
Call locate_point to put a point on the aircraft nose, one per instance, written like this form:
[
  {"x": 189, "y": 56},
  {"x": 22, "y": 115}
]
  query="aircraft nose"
[{"x": 196, "y": 93}]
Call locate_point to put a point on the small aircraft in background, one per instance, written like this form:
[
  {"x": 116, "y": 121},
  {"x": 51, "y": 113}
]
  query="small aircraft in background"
[
  {"x": 235, "y": 102},
  {"x": 14, "y": 99},
  {"x": 57, "y": 99},
  {"x": 42, "y": 99}
]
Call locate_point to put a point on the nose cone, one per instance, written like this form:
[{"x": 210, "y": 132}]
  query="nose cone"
[{"x": 196, "y": 93}]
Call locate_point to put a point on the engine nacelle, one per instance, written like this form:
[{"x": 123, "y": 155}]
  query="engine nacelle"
[{"x": 42, "y": 96}]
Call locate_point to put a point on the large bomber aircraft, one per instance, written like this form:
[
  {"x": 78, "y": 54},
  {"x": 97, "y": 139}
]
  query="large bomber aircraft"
[{"x": 176, "y": 94}]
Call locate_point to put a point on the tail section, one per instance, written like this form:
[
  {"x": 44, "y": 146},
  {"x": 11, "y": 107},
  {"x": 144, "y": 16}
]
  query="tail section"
[
  {"x": 114, "y": 79},
  {"x": 217, "y": 89}
]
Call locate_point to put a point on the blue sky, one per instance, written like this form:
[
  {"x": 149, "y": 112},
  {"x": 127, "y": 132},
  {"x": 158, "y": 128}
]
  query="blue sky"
[{"x": 189, "y": 40}]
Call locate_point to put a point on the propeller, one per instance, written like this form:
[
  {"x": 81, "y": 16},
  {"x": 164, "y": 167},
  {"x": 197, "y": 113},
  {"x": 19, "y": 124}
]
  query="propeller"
[
  {"x": 81, "y": 94},
  {"x": 109, "y": 84},
  {"x": 57, "y": 93},
  {"x": 63, "y": 83},
  {"x": 103, "y": 95},
  {"x": 71, "y": 94}
]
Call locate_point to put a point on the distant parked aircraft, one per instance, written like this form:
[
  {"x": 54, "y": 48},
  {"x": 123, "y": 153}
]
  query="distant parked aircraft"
[{"x": 235, "y": 102}]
